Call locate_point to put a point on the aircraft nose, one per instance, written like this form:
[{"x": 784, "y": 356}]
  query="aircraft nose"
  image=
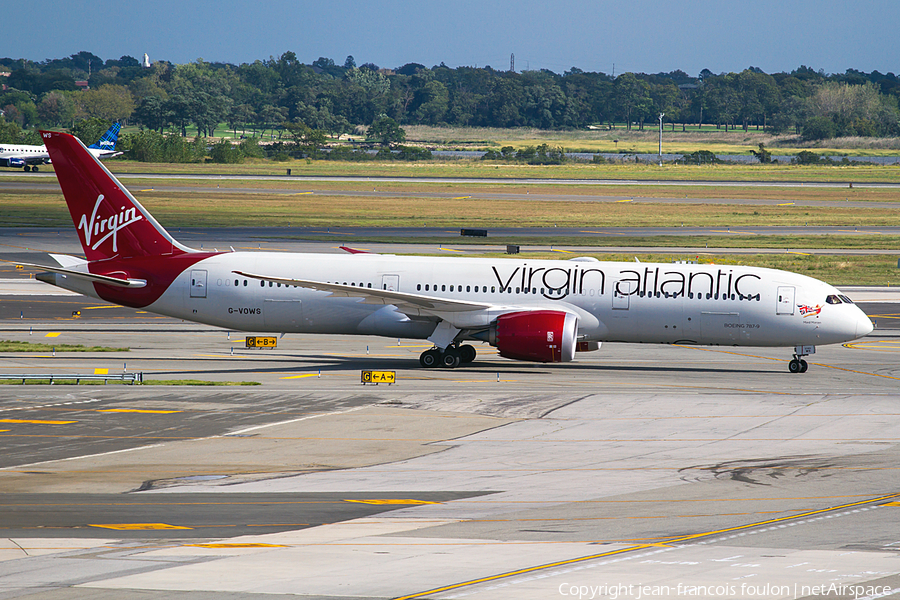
[{"x": 863, "y": 325}]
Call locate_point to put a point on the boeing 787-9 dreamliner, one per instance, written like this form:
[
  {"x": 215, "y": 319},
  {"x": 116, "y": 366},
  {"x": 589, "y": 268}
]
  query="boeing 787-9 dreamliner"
[{"x": 532, "y": 310}]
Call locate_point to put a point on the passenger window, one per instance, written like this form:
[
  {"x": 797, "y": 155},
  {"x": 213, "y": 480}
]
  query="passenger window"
[
  {"x": 245, "y": 283},
  {"x": 418, "y": 287},
  {"x": 451, "y": 288},
  {"x": 444, "y": 288},
  {"x": 493, "y": 289},
  {"x": 468, "y": 288}
]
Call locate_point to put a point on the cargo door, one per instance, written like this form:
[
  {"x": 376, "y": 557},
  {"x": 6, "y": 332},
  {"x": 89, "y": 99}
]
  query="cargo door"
[
  {"x": 622, "y": 291},
  {"x": 785, "y": 305},
  {"x": 198, "y": 283},
  {"x": 390, "y": 283}
]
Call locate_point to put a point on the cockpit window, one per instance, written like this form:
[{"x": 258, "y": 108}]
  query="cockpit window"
[
  {"x": 832, "y": 299},
  {"x": 845, "y": 299}
]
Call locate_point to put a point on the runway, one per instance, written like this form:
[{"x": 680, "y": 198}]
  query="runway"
[{"x": 634, "y": 466}]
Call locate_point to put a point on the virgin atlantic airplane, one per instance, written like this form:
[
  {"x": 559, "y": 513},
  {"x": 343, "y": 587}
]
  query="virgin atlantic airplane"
[{"x": 533, "y": 310}]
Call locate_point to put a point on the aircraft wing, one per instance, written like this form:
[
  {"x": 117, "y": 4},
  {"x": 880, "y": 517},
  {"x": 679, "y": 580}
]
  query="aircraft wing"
[{"x": 414, "y": 304}]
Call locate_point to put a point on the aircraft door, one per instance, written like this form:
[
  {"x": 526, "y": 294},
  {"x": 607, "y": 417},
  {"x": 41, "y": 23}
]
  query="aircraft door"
[
  {"x": 785, "y": 305},
  {"x": 198, "y": 283},
  {"x": 622, "y": 291},
  {"x": 390, "y": 283}
]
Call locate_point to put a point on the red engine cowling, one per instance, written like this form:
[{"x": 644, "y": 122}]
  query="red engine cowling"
[{"x": 540, "y": 335}]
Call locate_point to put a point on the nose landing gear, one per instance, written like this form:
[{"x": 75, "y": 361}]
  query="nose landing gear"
[
  {"x": 798, "y": 365},
  {"x": 449, "y": 358}
]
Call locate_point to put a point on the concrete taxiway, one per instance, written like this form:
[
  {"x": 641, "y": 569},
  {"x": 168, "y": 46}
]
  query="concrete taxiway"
[{"x": 636, "y": 472}]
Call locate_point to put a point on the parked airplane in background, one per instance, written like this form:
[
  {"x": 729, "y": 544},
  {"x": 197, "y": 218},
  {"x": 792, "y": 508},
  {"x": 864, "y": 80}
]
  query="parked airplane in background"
[
  {"x": 535, "y": 310},
  {"x": 31, "y": 157}
]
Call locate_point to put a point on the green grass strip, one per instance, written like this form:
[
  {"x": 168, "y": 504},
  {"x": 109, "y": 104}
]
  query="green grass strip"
[
  {"x": 14, "y": 346},
  {"x": 63, "y": 381}
]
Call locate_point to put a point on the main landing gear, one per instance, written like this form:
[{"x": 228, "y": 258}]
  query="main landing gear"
[
  {"x": 798, "y": 365},
  {"x": 450, "y": 358}
]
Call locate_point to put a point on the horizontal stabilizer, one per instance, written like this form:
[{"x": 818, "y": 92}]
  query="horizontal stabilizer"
[{"x": 116, "y": 281}]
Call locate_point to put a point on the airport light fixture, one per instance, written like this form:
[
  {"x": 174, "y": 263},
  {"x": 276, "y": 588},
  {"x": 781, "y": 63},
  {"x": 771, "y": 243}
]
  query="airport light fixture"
[{"x": 661, "y": 115}]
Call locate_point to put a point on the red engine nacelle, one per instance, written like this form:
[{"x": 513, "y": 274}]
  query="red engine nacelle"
[{"x": 540, "y": 335}]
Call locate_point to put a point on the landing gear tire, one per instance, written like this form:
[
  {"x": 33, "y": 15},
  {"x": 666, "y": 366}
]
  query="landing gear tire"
[
  {"x": 450, "y": 359},
  {"x": 27, "y": 169},
  {"x": 35, "y": 169},
  {"x": 796, "y": 366},
  {"x": 430, "y": 358},
  {"x": 803, "y": 366},
  {"x": 467, "y": 354}
]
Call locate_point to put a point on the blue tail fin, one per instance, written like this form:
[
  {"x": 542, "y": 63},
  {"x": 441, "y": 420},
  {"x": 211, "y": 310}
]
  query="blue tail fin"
[{"x": 109, "y": 139}]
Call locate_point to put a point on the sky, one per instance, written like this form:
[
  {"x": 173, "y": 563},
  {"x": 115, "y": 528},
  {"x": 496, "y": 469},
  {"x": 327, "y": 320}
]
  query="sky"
[{"x": 649, "y": 36}]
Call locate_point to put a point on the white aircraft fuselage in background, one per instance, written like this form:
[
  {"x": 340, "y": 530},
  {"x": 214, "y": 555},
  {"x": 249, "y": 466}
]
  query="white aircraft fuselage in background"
[
  {"x": 537, "y": 310},
  {"x": 31, "y": 156}
]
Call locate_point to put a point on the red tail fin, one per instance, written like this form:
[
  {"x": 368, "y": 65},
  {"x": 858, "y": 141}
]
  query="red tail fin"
[{"x": 111, "y": 223}]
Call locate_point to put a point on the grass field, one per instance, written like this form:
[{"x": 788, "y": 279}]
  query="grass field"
[
  {"x": 15, "y": 346},
  {"x": 601, "y": 139},
  {"x": 212, "y": 209},
  {"x": 485, "y": 169},
  {"x": 718, "y": 141},
  {"x": 189, "y": 382}
]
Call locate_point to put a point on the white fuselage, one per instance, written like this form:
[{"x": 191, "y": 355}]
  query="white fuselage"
[
  {"x": 38, "y": 154},
  {"x": 614, "y": 301}
]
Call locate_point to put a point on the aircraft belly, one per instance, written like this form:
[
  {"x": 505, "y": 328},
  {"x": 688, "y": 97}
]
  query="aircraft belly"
[
  {"x": 389, "y": 322},
  {"x": 324, "y": 314}
]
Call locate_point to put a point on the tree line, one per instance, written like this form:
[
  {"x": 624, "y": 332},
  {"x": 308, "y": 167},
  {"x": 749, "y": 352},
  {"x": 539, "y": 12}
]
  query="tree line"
[{"x": 199, "y": 97}]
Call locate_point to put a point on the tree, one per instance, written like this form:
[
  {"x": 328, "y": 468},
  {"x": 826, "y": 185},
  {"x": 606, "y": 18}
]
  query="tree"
[
  {"x": 109, "y": 102},
  {"x": 224, "y": 152},
  {"x": 152, "y": 113},
  {"x": 56, "y": 108},
  {"x": 818, "y": 128},
  {"x": 306, "y": 142},
  {"x": 350, "y": 63},
  {"x": 632, "y": 95},
  {"x": 762, "y": 155},
  {"x": 432, "y": 102},
  {"x": 386, "y": 131}
]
